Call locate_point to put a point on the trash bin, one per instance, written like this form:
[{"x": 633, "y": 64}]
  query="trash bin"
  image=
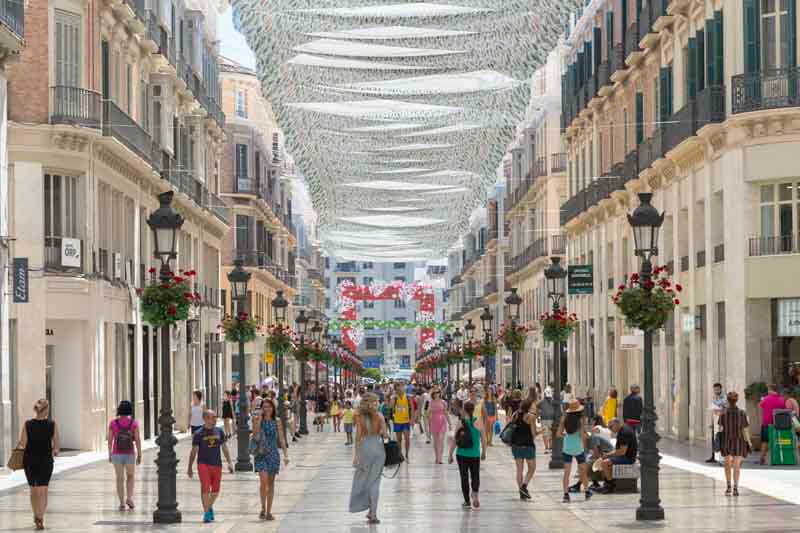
[{"x": 782, "y": 447}]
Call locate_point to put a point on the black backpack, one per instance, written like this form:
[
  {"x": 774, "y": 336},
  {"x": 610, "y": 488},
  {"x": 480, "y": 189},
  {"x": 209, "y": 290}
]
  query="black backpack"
[
  {"x": 464, "y": 435},
  {"x": 123, "y": 442}
]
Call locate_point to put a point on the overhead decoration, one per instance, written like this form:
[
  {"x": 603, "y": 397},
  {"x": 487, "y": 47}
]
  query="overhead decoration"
[
  {"x": 371, "y": 323},
  {"x": 398, "y": 114}
]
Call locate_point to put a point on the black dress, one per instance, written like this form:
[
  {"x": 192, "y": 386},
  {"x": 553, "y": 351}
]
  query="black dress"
[
  {"x": 227, "y": 409},
  {"x": 38, "y": 459}
]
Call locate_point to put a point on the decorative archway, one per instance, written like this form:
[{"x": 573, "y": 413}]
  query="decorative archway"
[{"x": 349, "y": 293}]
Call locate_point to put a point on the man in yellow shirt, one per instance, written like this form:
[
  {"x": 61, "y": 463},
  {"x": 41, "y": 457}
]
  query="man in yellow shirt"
[{"x": 404, "y": 416}]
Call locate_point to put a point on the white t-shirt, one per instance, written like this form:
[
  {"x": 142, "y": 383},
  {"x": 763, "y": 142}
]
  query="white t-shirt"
[
  {"x": 196, "y": 418},
  {"x": 462, "y": 395}
]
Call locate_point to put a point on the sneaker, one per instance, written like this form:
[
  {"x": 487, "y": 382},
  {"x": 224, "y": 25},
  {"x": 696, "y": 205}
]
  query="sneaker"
[
  {"x": 207, "y": 517},
  {"x": 466, "y": 505},
  {"x": 211, "y": 513},
  {"x": 565, "y": 499},
  {"x": 576, "y": 487},
  {"x": 588, "y": 494},
  {"x": 523, "y": 492}
]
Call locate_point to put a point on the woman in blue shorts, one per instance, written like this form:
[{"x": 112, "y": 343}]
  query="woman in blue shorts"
[{"x": 574, "y": 446}]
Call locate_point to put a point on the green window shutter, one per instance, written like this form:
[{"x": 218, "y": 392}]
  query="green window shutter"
[
  {"x": 792, "y": 32},
  {"x": 670, "y": 98},
  {"x": 711, "y": 75},
  {"x": 639, "y": 118},
  {"x": 598, "y": 43},
  {"x": 610, "y": 33},
  {"x": 719, "y": 57},
  {"x": 752, "y": 41},
  {"x": 663, "y": 93},
  {"x": 701, "y": 60},
  {"x": 624, "y": 13},
  {"x": 691, "y": 83},
  {"x": 638, "y": 12},
  {"x": 580, "y": 64},
  {"x": 587, "y": 56}
]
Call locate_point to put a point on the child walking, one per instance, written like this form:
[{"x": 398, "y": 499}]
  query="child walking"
[
  {"x": 347, "y": 418},
  {"x": 206, "y": 445},
  {"x": 574, "y": 447}
]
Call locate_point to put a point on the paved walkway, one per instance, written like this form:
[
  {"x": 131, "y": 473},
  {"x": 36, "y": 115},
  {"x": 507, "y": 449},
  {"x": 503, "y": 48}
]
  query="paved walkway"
[{"x": 313, "y": 494}]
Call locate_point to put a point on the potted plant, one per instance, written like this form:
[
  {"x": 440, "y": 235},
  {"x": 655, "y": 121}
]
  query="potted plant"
[
  {"x": 166, "y": 302},
  {"x": 513, "y": 336},
  {"x": 279, "y": 339},
  {"x": 558, "y": 325},
  {"x": 646, "y": 305},
  {"x": 755, "y": 391},
  {"x": 488, "y": 349}
]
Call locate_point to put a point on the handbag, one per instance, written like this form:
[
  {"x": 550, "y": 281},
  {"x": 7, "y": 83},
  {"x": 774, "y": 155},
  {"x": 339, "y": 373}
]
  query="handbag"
[
  {"x": 393, "y": 454},
  {"x": 498, "y": 427},
  {"x": 507, "y": 435},
  {"x": 464, "y": 436},
  {"x": 16, "y": 461}
]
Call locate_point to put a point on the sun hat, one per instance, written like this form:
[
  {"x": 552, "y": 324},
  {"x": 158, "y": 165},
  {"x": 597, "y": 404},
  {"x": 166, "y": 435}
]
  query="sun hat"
[{"x": 574, "y": 406}]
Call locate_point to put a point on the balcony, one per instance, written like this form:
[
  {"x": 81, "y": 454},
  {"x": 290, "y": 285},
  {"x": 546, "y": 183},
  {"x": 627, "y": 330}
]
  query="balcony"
[
  {"x": 558, "y": 162},
  {"x": 617, "y": 60},
  {"x": 137, "y": 6},
  {"x": 12, "y": 15},
  {"x": 535, "y": 250},
  {"x": 651, "y": 150},
  {"x": 719, "y": 253},
  {"x": 592, "y": 195},
  {"x": 710, "y": 105},
  {"x": 773, "y": 245},
  {"x": 253, "y": 258},
  {"x": 117, "y": 124},
  {"x": 75, "y": 106},
  {"x": 490, "y": 287},
  {"x": 455, "y": 280},
  {"x": 558, "y": 244},
  {"x": 57, "y": 256},
  {"x": 769, "y": 89},
  {"x": 630, "y": 169},
  {"x": 244, "y": 184},
  {"x": 603, "y": 74}
]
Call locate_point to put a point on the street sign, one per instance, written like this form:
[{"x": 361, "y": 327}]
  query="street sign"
[
  {"x": 20, "y": 280},
  {"x": 580, "y": 279},
  {"x": 631, "y": 342},
  {"x": 269, "y": 358}
]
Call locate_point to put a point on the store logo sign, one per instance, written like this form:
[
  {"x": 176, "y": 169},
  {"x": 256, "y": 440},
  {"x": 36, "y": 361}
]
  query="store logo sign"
[
  {"x": 789, "y": 317},
  {"x": 20, "y": 281}
]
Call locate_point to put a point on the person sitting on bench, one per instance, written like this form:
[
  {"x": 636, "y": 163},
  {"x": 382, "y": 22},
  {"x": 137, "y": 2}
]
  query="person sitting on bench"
[
  {"x": 599, "y": 445},
  {"x": 625, "y": 453}
]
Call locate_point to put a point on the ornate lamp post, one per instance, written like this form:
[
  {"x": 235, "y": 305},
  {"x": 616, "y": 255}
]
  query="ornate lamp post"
[
  {"x": 165, "y": 222},
  {"x": 645, "y": 222},
  {"x": 486, "y": 323},
  {"x": 556, "y": 280},
  {"x": 301, "y": 322},
  {"x": 279, "y": 305},
  {"x": 238, "y": 279},
  {"x": 513, "y": 301},
  {"x": 316, "y": 331},
  {"x": 469, "y": 333}
]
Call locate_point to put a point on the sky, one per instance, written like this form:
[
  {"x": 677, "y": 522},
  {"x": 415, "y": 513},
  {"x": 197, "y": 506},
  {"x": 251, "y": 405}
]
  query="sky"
[{"x": 233, "y": 43}]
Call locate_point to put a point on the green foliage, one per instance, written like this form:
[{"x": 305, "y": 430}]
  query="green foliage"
[
  {"x": 164, "y": 303},
  {"x": 558, "y": 325},
  {"x": 647, "y": 305},
  {"x": 756, "y": 390},
  {"x": 239, "y": 328}
]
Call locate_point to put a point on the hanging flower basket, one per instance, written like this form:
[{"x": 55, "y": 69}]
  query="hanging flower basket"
[
  {"x": 239, "y": 328},
  {"x": 513, "y": 337},
  {"x": 318, "y": 354},
  {"x": 164, "y": 303},
  {"x": 558, "y": 325},
  {"x": 488, "y": 349},
  {"x": 279, "y": 340},
  {"x": 648, "y": 307}
]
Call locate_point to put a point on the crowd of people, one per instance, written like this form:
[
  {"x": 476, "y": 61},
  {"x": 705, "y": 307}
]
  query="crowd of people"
[{"x": 464, "y": 418}]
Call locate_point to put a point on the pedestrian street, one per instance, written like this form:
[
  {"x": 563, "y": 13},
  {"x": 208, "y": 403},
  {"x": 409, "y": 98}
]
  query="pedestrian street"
[{"x": 313, "y": 494}]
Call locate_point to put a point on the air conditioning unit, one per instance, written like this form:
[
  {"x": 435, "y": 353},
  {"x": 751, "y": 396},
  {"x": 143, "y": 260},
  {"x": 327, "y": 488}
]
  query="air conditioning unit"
[{"x": 117, "y": 259}]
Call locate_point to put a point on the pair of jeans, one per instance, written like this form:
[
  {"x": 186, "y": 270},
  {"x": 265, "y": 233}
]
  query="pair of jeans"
[{"x": 470, "y": 470}]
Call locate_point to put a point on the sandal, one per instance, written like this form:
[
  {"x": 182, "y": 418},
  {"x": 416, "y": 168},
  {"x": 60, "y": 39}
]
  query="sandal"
[
  {"x": 373, "y": 521},
  {"x": 39, "y": 523},
  {"x": 263, "y": 515},
  {"x": 130, "y": 504},
  {"x": 270, "y": 517},
  {"x": 121, "y": 507},
  {"x": 735, "y": 491},
  {"x": 728, "y": 491}
]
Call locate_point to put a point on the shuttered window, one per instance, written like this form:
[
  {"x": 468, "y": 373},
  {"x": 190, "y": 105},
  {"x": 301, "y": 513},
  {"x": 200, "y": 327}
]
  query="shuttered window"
[
  {"x": 610, "y": 33},
  {"x": 241, "y": 160},
  {"x": 691, "y": 71},
  {"x": 68, "y": 48},
  {"x": 752, "y": 39},
  {"x": 639, "y": 118},
  {"x": 701, "y": 60}
]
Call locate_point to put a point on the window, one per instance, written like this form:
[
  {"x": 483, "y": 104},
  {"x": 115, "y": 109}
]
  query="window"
[
  {"x": 369, "y": 304},
  {"x": 399, "y": 266},
  {"x": 243, "y": 224},
  {"x": 327, "y": 303},
  {"x": 400, "y": 343},
  {"x": 399, "y": 304},
  {"x": 367, "y": 280},
  {"x": 400, "y": 278},
  {"x": 778, "y": 205},
  {"x": 241, "y": 160},
  {"x": 241, "y": 103},
  {"x": 774, "y": 34},
  {"x": 367, "y": 265},
  {"x": 720, "y": 320},
  {"x": 68, "y": 48},
  {"x": 60, "y": 206},
  {"x": 372, "y": 343},
  {"x": 276, "y": 148}
]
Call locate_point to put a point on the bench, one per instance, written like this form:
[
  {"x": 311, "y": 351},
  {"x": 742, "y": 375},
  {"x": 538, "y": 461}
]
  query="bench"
[{"x": 627, "y": 477}]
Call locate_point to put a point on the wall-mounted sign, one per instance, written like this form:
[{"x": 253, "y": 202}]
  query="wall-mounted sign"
[
  {"x": 20, "y": 281},
  {"x": 688, "y": 322},
  {"x": 789, "y": 317},
  {"x": 70, "y": 252},
  {"x": 580, "y": 279},
  {"x": 631, "y": 342}
]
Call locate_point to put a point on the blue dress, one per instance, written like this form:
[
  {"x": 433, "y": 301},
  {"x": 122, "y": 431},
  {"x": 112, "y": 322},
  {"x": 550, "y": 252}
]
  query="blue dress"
[{"x": 271, "y": 461}]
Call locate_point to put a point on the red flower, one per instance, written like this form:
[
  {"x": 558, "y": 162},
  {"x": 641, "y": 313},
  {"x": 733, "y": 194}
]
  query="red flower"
[
  {"x": 677, "y": 302},
  {"x": 635, "y": 276},
  {"x": 188, "y": 295},
  {"x": 678, "y": 287},
  {"x": 621, "y": 288},
  {"x": 178, "y": 279},
  {"x": 152, "y": 270},
  {"x": 139, "y": 291},
  {"x": 649, "y": 285},
  {"x": 172, "y": 311}
]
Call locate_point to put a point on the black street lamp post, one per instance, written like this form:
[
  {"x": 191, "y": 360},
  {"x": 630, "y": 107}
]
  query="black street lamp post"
[
  {"x": 316, "y": 330},
  {"x": 486, "y": 323},
  {"x": 301, "y": 322},
  {"x": 238, "y": 279},
  {"x": 646, "y": 222},
  {"x": 165, "y": 222},
  {"x": 469, "y": 333},
  {"x": 556, "y": 279},
  {"x": 513, "y": 301},
  {"x": 279, "y": 305}
]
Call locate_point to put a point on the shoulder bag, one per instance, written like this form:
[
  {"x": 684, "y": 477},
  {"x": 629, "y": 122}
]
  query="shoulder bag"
[
  {"x": 17, "y": 459},
  {"x": 464, "y": 435},
  {"x": 393, "y": 454},
  {"x": 507, "y": 435}
]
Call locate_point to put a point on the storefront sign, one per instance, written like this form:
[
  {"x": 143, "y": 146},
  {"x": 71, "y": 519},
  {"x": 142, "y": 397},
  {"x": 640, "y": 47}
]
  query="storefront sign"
[
  {"x": 789, "y": 317},
  {"x": 580, "y": 279},
  {"x": 20, "y": 282},
  {"x": 269, "y": 358},
  {"x": 372, "y": 362},
  {"x": 70, "y": 252},
  {"x": 631, "y": 342}
]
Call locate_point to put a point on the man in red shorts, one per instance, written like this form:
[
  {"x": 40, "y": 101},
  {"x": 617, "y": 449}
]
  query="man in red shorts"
[{"x": 206, "y": 445}]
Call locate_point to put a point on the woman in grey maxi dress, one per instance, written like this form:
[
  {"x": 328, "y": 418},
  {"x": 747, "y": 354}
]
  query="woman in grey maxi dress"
[{"x": 368, "y": 458}]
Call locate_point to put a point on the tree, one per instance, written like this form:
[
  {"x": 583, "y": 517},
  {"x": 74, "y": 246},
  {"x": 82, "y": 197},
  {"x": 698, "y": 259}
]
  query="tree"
[{"x": 373, "y": 373}]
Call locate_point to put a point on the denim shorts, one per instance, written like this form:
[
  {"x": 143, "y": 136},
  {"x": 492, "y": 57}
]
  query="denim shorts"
[
  {"x": 523, "y": 452},
  {"x": 568, "y": 458},
  {"x": 123, "y": 459},
  {"x": 620, "y": 460}
]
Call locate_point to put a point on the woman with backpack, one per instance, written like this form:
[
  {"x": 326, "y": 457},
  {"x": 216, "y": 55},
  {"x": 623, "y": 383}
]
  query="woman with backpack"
[
  {"x": 574, "y": 446},
  {"x": 523, "y": 445},
  {"x": 470, "y": 449},
  {"x": 39, "y": 439},
  {"x": 124, "y": 451}
]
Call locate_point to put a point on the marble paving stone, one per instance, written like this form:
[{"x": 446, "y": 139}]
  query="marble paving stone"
[{"x": 313, "y": 495}]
